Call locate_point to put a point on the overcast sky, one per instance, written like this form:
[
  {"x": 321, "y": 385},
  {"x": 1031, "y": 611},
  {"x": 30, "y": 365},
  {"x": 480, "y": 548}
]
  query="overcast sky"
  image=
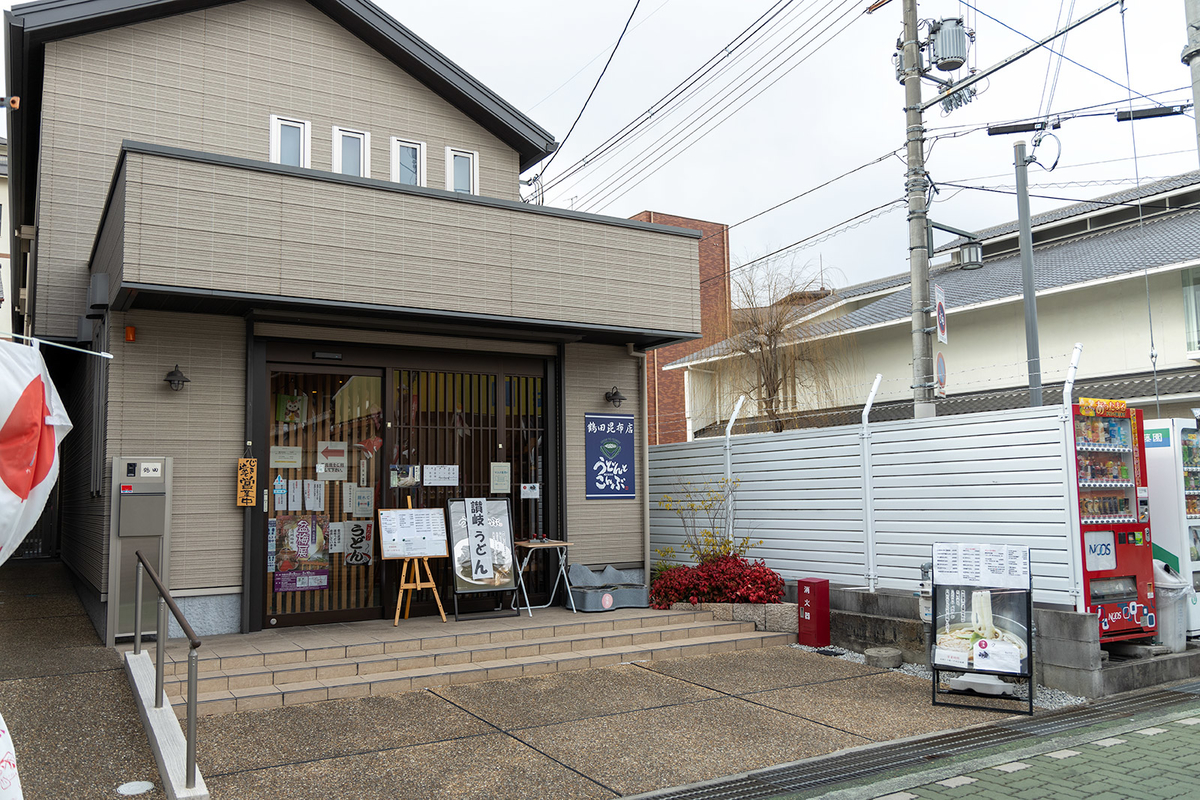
[
  {"x": 839, "y": 109},
  {"x": 826, "y": 110}
]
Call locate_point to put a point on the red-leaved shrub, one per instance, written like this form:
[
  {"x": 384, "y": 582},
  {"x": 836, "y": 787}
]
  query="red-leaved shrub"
[{"x": 728, "y": 579}]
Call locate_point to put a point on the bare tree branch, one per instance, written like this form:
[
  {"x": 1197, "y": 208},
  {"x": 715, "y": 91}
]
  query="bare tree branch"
[{"x": 784, "y": 365}]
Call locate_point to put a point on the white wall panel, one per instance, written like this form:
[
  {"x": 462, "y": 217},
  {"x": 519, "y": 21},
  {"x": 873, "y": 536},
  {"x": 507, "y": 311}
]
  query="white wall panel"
[{"x": 1000, "y": 477}]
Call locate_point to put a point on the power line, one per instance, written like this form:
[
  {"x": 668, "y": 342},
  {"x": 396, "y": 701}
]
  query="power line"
[
  {"x": 806, "y": 192},
  {"x": 1110, "y": 203},
  {"x": 614, "y": 189},
  {"x": 769, "y": 15},
  {"x": 1061, "y": 115},
  {"x": 841, "y": 227},
  {"x": 578, "y": 72},
  {"x": 704, "y": 77},
  {"x": 1083, "y": 164},
  {"x": 1062, "y": 56},
  {"x": 595, "y": 86}
]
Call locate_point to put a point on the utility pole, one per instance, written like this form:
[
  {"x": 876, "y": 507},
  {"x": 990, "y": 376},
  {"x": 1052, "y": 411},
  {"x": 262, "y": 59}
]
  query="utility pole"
[
  {"x": 1191, "y": 54},
  {"x": 916, "y": 184},
  {"x": 1032, "y": 349}
]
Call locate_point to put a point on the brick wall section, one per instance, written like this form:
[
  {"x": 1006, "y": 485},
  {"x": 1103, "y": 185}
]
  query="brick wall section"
[{"x": 665, "y": 389}]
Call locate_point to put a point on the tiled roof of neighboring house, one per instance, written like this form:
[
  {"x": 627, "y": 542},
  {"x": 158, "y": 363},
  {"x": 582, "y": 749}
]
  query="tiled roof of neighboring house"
[
  {"x": 1161, "y": 240},
  {"x": 1056, "y": 215},
  {"x": 1124, "y": 387}
]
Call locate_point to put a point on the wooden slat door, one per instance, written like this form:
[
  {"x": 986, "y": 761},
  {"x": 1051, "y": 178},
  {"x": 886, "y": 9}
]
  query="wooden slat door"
[{"x": 346, "y": 410}]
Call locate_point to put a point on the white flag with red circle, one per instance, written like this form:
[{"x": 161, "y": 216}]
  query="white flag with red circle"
[{"x": 33, "y": 422}]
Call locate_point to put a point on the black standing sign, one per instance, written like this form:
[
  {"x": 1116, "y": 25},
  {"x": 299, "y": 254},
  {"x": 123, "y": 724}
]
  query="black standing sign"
[
  {"x": 482, "y": 553},
  {"x": 982, "y": 615}
]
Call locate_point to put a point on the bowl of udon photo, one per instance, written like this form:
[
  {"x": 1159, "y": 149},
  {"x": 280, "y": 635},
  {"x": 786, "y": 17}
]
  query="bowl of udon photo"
[{"x": 961, "y": 637}]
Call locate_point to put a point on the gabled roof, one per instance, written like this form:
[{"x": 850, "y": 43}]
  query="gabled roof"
[
  {"x": 1162, "y": 240},
  {"x": 40, "y": 22}
]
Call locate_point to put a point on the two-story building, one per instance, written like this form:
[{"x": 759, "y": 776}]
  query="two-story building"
[
  {"x": 1117, "y": 274},
  {"x": 315, "y": 217}
]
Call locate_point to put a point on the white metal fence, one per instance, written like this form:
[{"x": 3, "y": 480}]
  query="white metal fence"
[{"x": 997, "y": 477}]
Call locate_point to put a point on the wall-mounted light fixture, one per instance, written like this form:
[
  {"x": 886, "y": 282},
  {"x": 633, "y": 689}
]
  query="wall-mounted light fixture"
[
  {"x": 177, "y": 379},
  {"x": 615, "y": 397}
]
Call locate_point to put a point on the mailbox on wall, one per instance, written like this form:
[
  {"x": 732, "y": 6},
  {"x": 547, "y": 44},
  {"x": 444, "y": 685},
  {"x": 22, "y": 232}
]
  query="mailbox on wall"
[{"x": 139, "y": 519}]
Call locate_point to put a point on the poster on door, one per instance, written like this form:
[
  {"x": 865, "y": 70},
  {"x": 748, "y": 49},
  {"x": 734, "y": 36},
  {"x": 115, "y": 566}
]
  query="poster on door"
[
  {"x": 301, "y": 553},
  {"x": 609, "y": 456},
  {"x": 359, "y": 543}
]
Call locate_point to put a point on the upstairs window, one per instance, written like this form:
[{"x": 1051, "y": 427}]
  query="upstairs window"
[
  {"x": 462, "y": 171},
  {"x": 291, "y": 142},
  {"x": 351, "y": 152},
  {"x": 408, "y": 162}
]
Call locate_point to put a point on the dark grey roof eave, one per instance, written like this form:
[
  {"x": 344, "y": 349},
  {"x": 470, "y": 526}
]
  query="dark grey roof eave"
[{"x": 57, "y": 19}]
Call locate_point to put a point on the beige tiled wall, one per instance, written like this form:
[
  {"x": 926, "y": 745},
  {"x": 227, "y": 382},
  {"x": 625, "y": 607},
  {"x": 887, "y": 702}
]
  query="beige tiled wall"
[
  {"x": 202, "y": 427},
  {"x": 231, "y": 229},
  {"x": 209, "y": 80},
  {"x": 601, "y": 531}
]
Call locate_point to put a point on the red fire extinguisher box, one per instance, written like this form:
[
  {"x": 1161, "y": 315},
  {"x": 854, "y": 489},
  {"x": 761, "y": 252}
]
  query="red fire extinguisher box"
[{"x": 812, "y": 602}]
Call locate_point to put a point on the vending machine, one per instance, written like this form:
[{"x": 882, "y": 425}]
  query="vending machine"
[
  {"x": 1173, "y": 467},
  {"x": 1114, "y": 518}
]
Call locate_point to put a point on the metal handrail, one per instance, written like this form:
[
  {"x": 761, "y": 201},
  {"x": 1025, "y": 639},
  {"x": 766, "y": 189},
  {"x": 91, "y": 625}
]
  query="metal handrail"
[{"x": 165, "y": 601}]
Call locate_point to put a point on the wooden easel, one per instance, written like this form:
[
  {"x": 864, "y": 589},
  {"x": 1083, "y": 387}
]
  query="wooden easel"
[{"x": 416, "y": 585}]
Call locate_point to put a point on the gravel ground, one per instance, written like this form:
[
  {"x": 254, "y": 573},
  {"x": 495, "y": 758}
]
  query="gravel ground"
[{"x": 1047, "y": 698}]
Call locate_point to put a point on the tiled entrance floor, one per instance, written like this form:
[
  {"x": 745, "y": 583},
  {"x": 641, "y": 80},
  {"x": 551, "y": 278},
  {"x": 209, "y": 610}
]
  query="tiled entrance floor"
[{"x": 308, "y": 664}]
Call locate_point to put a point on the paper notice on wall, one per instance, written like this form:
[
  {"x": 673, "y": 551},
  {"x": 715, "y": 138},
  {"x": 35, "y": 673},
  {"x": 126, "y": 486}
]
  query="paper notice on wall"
[
  {"x": 336, "y": 537},
  {"x": 946, "y": 567},
  {"x": 348, "y": 491},
  {"x": 279, "y": 490},
  {"x": 994, "y": 566},
  {"x": 440, "y": 475},
  {"x": 286, "y": 458},
  {"x": 971, "y": 564},
  {"x": 501, "y": 477},
  {"x": 1017, "y": 559},
  {"x": 295, "y": 496},
  {"x": 364, "y": 501},
  {"x": 271, "y": 530},
  {"x": 314, "y": 496},
  {"x": 531, "y": 491},
  {"x": 478, "y": 540},
  {"x": 332, "y": 461},
  {"x": 991, "y": 566},
  {"x": 359, "y": 545}
]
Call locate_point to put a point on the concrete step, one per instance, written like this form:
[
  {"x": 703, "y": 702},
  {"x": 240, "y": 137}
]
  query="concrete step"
[
  {"x": 398, "y": 640},
  {"x": 414, "y": 678},
  {"x": 407, "y": 654}
]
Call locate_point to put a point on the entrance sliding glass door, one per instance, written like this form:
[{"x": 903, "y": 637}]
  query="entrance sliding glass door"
[{"x": 324, "y": 470}]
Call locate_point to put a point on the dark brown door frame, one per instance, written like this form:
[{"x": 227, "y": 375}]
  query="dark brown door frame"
[{"x": 264, "y": 354}]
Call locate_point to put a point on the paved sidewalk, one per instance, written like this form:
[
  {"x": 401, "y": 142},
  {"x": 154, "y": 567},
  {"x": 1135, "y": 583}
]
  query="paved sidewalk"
[
  {"x": 594, "y": 733},
  {"x": 65, "y": 696},
  {"x": 1148, "y": 762}
]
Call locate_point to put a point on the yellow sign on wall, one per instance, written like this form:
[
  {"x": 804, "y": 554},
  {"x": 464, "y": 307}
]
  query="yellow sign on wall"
[{"x": 247, "y": 481}]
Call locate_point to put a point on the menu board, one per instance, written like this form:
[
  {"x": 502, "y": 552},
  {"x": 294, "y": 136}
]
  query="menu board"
[
  {"x": 982, "y": 608},
  {"x": 1003, "y": 566},
  {"x": 412, "y": 532}
]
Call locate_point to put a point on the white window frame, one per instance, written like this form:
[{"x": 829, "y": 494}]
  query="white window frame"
[
  {"x": 305, "y": 139},
  {"x": 396, "y": 144},
  {"x": 451, "y": 152},
  {"x": 365, "y": 136}
]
